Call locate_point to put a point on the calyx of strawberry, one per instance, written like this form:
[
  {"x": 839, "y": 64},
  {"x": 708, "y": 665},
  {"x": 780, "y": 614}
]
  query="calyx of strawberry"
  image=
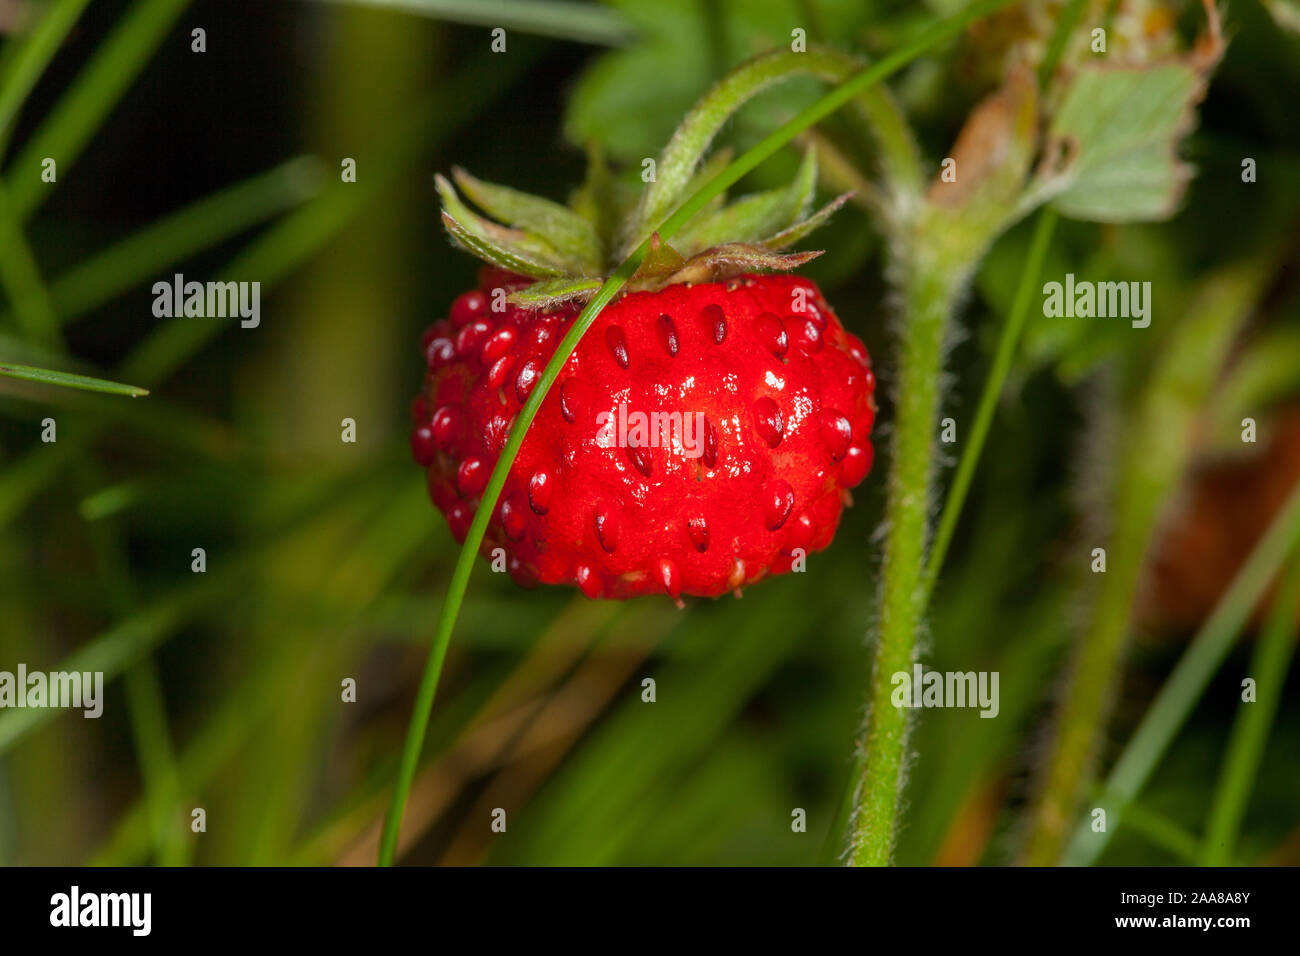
[{"x": 569, "y": 250}]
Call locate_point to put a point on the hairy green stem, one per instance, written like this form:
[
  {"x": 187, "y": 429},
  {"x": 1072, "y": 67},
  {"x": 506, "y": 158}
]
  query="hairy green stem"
[{"x": 929, "y": 286}]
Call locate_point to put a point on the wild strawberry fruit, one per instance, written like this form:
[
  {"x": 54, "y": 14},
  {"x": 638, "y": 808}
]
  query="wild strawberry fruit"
[{"x": 705, "y": 431}]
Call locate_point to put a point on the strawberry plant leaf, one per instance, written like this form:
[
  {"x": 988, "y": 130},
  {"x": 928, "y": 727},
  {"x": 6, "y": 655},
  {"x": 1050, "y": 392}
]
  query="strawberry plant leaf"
[{"x": 1110, "y": 153}]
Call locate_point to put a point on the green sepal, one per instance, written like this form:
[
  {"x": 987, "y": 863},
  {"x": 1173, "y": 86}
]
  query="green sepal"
[
  {"x": 660, "y": 259},
  {"x": 792, "y": 234},
  {"x": 754, "y": 217},
  {"x": 560, "y": 227},
  {"x": 549, "y": 293},
  {"x": 723, "y": 261},
  {"x": 510, "y": 248}
]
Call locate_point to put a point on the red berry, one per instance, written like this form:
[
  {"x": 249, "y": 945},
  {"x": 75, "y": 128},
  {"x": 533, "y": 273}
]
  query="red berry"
[{"x": 775, "y": 407}]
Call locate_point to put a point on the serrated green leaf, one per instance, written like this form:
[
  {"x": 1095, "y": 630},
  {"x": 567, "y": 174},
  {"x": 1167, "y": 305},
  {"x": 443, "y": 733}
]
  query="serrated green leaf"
[
  {"x": 561, "y": 227},
  {"x": 1112, "y": 145},
  {"x": 756, "y": 216}
]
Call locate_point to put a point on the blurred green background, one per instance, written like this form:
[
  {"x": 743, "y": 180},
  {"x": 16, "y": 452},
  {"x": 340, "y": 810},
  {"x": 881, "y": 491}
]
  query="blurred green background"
[{"x": 326, "y": 561}]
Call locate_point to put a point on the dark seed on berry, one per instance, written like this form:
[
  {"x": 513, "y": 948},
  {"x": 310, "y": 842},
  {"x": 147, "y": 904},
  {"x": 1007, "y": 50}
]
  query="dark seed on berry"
[
  {"x": 836, "y": 433},
  {"x": 805, "y": 335},
  {"x": 778, "y": 501},
  {"x": 617, "y": 343},
  {"x": 640, "y": 458},
  {"x": 423, "y": 448},
  {"x": 446, "y": 426},
  {"x": 498, "y": 344},
  {"x": 468, "y": 307},
  {"x": 528, "y": 376},
  {"x": 668, "y": 334},
  {"x": 771, "y": 332},
  {"x": 710, "y": 454},
  {"x": 471, "y": 476},
  {"x": 439, "y": 353},
  {"x": 500, "y": 371},
  {"x": 568, "y": 407},
  {"x": 716, "y": 321},
  {"x": 607, "y": 524},
  {"x": 698, "y": 529},
  {"x": 768, "y": 421},
  {"x": 540, "y": 488},
  {"x": 811, "y": 310},
  {"x": 471, "y": 338}
]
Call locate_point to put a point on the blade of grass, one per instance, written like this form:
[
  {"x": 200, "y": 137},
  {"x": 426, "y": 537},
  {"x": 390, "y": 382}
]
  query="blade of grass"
[
  {"x": 1268, "y": 665},
  {"x": 743, "y": 164},
  {"x": 1188, "y": 681},
  {"x": 1005, "y": 355},
  {"x": 1164, "y": 833},
  {"x": 563, "y": 20},
  {"x": 34, "y": 56},
  {"x": 198, "y": 226},
  {"x": 47, "y": 376},
  {"x": 280, "y": 249},
  {"x": 64, "y": 133},
  {"x": 22, "y": 280}
]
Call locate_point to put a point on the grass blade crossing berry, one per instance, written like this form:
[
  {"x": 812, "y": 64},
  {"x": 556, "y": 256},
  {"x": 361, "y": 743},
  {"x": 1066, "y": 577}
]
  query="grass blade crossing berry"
[{"x": 836, "y": 98}]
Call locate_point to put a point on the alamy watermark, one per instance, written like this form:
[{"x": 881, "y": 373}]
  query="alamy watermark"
[
  {"x": 211, "y": 300},
  {"x": 672, "y": 430},
  {"x": 82, "y": 690},
  {"x": 1102, "y": 300},
  {"x": 922, "y": 688}
]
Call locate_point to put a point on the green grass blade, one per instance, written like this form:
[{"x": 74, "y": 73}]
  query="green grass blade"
[
  {"x": 199, "y": 226},
  {"x": 1005, "y": 355},
  {"x": 1268, "y": 665},
  {"x": 30, "y": 61},
  {"x": 21, "y": 277},
  {"x": 47, "y": 376},
  {"x": 561, "y": 19},
  {"x": 98, "y": 87},
  {"x": 1188, "y": 681},
  {"x": 743, "y": 164}
]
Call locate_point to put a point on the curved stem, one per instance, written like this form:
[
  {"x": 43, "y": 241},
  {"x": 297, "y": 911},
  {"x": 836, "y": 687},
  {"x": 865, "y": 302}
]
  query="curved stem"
[
  {"x": 928, "y": 290},
  {"x": 769, "y": 145}
]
